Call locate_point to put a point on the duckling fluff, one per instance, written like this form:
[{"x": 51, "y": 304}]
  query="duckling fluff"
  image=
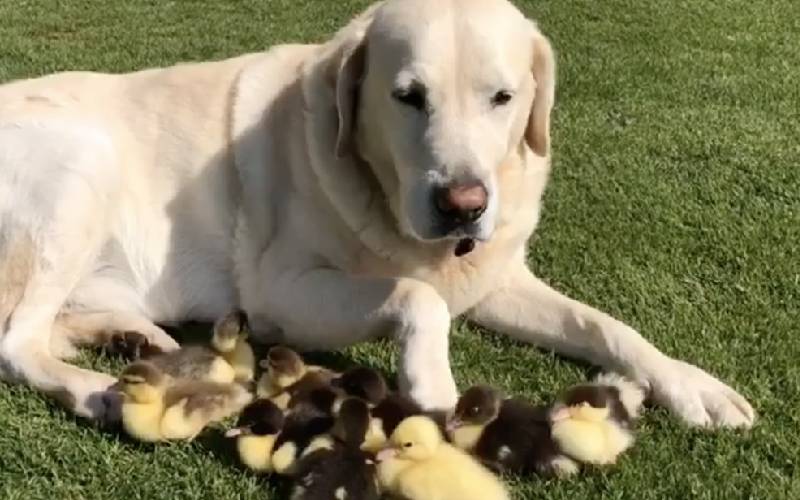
[
  {"x": 333, "y": 466},
  {"x": 419, "y": 465},
  {"x": 256, "y": 431},
  {"x": 230, "y": 340},
  {"x": 157, "y": 408},
  {"x": 283, "y": 369},
  {"x": 592, "y": 423},
  {"x": 228, "y": 358}
]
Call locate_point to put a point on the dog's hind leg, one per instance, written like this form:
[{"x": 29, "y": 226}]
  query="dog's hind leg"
[
  {"x": 97, "y": 328},
  {"x": 57, "y": 183}
]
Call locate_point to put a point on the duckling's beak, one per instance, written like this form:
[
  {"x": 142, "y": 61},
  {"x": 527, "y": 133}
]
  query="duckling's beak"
[
  {"x": 453, "y": 424},
  {"x": 237, "y": 431},
  {"x": 560, "y": 413},
  {"x": 386, "y": 454}
]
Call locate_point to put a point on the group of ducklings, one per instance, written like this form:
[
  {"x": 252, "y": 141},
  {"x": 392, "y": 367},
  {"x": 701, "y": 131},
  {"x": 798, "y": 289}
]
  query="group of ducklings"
[{"x": 347, "y": 436}]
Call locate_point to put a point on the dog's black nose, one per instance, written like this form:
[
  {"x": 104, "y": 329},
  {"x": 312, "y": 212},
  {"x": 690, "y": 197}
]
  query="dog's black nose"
[{"x": 461, "y": 203}]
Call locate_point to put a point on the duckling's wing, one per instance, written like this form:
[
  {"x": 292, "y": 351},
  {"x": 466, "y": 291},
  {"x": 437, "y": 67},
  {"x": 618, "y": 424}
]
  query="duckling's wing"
[
  {"x": 213, "y": 401},
  {"x": 190, "y": 362},
  {"x": 301, "y": 431},
  {"x": 323, "y": 473},
  {"x": 394, "y": 409},
  {"x": 520, "y": 439},
  {"x": 243, "y": 361}
]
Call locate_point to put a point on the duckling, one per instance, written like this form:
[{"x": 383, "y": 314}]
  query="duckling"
[
  {"x": 337, "y": 468},
  {"x": 156, "y": 408},
  {"x": 256, "y": 431},
  {"x": 309, "y": 416},
  {"x": 228, "y": 358},
  {"x": 593, "y": 423},
  {"x": 364, "y": 383},
  {"x": 507, "y": 435},
  {"x": 230, "y": 340},
  {"x": 284, "y": 368},
  {"x": 385, "y": 417},
  {"x": 419, "y": 465}
]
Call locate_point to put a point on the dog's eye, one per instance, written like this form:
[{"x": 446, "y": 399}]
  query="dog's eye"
[
  {"x": 413, "y": 97},
  {"x": 501, "y": 98}
]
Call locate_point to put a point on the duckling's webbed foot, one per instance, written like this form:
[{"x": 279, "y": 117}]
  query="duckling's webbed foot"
[{"x": 560, "y": 467}]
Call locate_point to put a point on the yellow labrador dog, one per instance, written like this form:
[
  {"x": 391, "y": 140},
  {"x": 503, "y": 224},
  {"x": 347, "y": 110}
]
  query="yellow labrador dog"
[{"x": 378, "y": 184}]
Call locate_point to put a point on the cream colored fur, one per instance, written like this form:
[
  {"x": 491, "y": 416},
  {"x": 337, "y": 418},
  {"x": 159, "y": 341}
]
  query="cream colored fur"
[{"x": 292, "y": 184}]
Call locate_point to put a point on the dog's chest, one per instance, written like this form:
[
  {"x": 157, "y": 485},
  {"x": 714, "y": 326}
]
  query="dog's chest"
[{"x": 461, "y": 281}]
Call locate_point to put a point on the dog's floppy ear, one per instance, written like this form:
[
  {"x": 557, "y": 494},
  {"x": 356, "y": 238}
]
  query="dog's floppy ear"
[
  {"x": 348, "y": 80},
  {"x": 543, "y": 68}
]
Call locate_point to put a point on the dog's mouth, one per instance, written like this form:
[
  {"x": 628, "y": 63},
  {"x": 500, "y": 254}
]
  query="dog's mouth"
[{"x": 464, "y": 246}]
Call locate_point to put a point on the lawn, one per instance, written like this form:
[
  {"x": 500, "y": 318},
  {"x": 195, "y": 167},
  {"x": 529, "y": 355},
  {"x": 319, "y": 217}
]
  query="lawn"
[{"x": 674, "y": 205}]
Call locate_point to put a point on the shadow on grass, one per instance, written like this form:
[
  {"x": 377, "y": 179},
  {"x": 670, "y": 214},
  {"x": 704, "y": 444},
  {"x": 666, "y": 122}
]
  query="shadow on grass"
[
  {"x": 224, "y": 451},
  {"x": 468, "y": 328}
]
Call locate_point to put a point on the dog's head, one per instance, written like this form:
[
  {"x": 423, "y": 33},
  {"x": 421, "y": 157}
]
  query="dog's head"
[{"x": 436, "y": 95}]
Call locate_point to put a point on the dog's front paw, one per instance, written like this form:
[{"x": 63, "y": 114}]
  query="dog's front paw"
[
  {"x": 433, "y": 392},
  {"x": 699, "y": 398}
]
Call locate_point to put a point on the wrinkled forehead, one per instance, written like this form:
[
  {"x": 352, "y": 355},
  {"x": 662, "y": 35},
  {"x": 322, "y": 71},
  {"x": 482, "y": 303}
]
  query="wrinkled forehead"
[{"x": 486, "y": 42}]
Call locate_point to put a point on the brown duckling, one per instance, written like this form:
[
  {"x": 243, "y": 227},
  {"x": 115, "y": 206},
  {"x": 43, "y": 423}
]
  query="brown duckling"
[
  {"x": 310, "y": 414},
  {"x": 284, "y": 368},
  {"x": 337, "y": 468},
  {"x": 393, "y": 409},
  {"x": 256, "y": 431},
  {"x": 364, "y": 383},
  {"x": 507, "y": 435}
]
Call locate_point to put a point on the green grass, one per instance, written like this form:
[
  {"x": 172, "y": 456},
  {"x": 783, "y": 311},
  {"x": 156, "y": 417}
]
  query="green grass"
[{"x": 674, "y": 205}]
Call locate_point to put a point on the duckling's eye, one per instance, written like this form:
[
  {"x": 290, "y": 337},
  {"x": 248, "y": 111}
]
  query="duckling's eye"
[{"x": 408, "y": 445}]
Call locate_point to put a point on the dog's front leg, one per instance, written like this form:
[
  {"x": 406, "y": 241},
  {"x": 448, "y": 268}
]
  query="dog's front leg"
[
  {"x": 526, "y": 308},
  {"x": 328, "y": 309}
]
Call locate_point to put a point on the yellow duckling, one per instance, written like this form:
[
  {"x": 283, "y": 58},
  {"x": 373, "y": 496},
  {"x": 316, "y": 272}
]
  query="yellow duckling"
[
  {"x": 255, "y": 432},
  {"x": 158, "y": 408},
  {"x": 419, "y": 465},
  {"x": 592, "y": 423},
  {"x": 230, "y": 340}
]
